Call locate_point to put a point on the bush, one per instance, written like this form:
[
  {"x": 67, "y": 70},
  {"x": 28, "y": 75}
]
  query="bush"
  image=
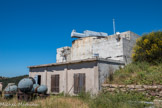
[
  {"x": 148, "y": 48},
  {"x": 138, "y": 73},
  {"x": 15, "y": 80},
  {"x": 117, "y": 100}
]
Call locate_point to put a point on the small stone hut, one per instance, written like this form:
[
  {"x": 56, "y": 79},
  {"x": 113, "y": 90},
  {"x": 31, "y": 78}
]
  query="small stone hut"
[
  {"x": 75, "y": 76},
  {"x": 87, "y": 63}
]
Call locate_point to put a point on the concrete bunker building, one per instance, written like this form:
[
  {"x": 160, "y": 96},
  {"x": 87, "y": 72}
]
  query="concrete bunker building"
[{"x": 86, "y": 65}]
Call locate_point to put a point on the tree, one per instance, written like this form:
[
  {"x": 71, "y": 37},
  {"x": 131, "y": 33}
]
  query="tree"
[{"x": 148, "y": 48}]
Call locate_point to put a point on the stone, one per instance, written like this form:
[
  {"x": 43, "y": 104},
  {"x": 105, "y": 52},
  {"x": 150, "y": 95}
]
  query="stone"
[
  {"x": 121, "y": 86},
  {"x": 159, "y": 86},
  {"x": 114, "y": 85},
  {"x": 111, "y": 89},
  {"x": 154, "y": 87},
  {"x": 130, "y": 86},
  {"x": 141, "y": 89},
  {"x": 138, "y": 86},
  {"x": 158, "y": 103}
]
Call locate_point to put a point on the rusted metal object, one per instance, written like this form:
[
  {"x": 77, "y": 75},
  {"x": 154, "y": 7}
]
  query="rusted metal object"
[
  {"x": 26, "y": 84},
  {"x": 10, "y": 91},
  {"x": 28, "y": 90},
  {"x": 24, "y": 96}
]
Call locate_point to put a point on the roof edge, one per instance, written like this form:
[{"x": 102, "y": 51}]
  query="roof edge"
[{"x": 78, "y": 61}]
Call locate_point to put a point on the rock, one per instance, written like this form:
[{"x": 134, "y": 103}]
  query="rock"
[
  {"x": 142, "y": 89},
  {"x": 154, "y": 87},
  {"x": 114, "y": 85},
  {"x": 158, "y": 103},
  {"x": 130, "y": 86},
  {"x": 160, "y": 93},
  {"x": 159, "y": 87},
  {"x": 121, "y": 86},
  {"x": 138, "y": 86},
  {"x": 111, "y": 89}
]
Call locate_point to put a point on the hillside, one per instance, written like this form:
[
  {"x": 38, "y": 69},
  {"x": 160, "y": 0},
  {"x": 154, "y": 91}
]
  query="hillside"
[
  {"x": 6, "y": 80},
  {"x": 138, "y": 73},
  {"x": 2, "y": 77}
]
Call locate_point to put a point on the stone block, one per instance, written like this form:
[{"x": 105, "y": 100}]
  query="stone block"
[
  {"x": 138, "y": 86},
  {"x": 130, "y": 86},
  {"x": 158, "y": 103},
  {"x": 121, "y": 86}
]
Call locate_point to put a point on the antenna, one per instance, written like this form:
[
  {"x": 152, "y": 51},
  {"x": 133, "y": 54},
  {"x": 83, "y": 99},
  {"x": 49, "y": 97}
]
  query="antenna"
[{"x": 114, "y": 25}]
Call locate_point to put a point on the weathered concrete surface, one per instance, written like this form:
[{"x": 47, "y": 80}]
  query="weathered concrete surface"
[
  {"x": 105, "y": 69},
  {"x": 128, "y": 47},
  {"x": 110, "y": 48},
  {"x": 82, "y": 48},
  {"x": 85, "y": 57},
  {"x": 63, "y": 54},
  {"x": 66, "y": 71},
  {"x": 115, "y": 47}
]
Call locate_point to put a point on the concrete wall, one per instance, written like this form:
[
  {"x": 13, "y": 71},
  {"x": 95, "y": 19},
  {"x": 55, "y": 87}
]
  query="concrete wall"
[
  {"x": 91, "y": 76},
  {"x": 105, "y": 47},
  {"x": 128, "y": 46},
  {"x": 46, "y": 73},
  {"x": 0, "y": 86},
  {"x": 105, "y": 68},
  {"x": 57, "y": 70},
  {"x": 116, "y": 47},
  {"x": 82, "y": 48},
  {"x": 110, "y": 48},
  {"x": 63, "y": 54},
  {"x": 66, "y": 73}
]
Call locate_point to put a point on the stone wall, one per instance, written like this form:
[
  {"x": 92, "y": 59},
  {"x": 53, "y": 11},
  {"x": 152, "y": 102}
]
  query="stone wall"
[{"x": 149, "y": 90}]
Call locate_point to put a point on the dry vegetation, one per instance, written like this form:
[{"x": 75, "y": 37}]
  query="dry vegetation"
[
  {"x": 138, "y": 73},
  {"x": 49, "y": 102},
  {"x": 84, "y": 100}
]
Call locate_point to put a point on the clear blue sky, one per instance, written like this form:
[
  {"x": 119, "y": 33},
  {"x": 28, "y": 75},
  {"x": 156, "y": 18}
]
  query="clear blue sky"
[{"x": 32, "y": 30}]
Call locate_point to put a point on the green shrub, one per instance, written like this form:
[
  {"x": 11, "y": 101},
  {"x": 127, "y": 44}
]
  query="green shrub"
[
  {"x": 15, "y": 80},
  {"x": 118, "y": 100},
  {"x": 138, "y": 73},
  {"x": 148, "y": 48}
]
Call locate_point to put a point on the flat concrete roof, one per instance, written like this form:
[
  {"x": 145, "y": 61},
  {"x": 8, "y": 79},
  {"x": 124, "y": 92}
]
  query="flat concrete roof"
[{"x": 78, "y": 61}]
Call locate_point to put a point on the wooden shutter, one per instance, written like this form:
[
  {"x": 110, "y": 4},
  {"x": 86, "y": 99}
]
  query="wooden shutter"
[
  {"x": 76, "y": 83},
  {"x": 82, "y": 82},
  {"x": 52, "y": 82},
  {"x": 55, "y": 83},
  {"x": 79, "y": 83}
]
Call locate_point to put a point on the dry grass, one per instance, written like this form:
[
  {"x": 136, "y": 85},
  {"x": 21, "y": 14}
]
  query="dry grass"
[{"x": 49, "y": 102}]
